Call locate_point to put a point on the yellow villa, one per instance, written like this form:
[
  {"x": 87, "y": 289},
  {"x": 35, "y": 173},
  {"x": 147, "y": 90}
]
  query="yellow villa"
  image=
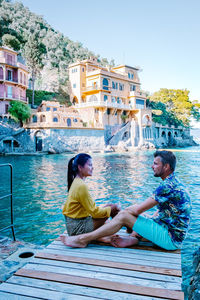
[{"x": 102, "y": 98}]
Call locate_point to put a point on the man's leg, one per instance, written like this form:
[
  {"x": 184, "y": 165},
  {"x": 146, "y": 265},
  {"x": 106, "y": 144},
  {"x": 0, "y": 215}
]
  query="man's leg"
[{"x": 124, "y": 218}]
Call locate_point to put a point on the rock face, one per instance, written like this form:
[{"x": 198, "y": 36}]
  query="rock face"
[{"x": 194, "y": 289}]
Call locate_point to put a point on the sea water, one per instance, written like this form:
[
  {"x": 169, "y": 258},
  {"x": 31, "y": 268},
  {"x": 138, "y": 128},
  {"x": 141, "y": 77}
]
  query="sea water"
[{"x": 40, "y": 190}]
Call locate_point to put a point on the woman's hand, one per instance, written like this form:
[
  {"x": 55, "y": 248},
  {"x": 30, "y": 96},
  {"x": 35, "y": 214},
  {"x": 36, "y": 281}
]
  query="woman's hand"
[{"x": 115, "y": 209}]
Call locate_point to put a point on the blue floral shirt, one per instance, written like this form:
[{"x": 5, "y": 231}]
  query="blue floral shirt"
[{"x": 174, "y": 207}]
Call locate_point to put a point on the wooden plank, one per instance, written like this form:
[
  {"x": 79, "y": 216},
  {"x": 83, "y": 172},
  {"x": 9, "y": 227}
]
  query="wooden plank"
[
  {"x": 9, "y": 296},
  {"x": 103, "y": 284},
  {"x": 121, "y": 253},
  {"x": 75, "y": 289},
  {"x": 140, "y": 261},
  {"x": 117, "y": 265},
  {"x": 18, "y": 290},
  {"x": 115, "y": 277},
  {"x": 105, "y": 268},
  {"x": 111, "y": 274},
  {"x": 128, "y": 250}
]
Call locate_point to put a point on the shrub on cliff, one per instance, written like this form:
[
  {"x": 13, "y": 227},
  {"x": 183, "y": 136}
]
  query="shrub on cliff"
[{"x": 19, "y": 111}]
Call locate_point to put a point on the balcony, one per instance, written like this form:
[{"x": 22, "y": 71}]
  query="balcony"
[
  {"x": 138, "y": 94},
  {"x": 12, "y": 80},
  {"x": 104, "y": 104},
  {"x": 95, "y": 89},
  {"x": 10, "y": 62},
  {"x": 13, "y": 97}
]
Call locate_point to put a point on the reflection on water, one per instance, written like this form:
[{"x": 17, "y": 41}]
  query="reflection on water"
[{"x": 40, "y": 190}]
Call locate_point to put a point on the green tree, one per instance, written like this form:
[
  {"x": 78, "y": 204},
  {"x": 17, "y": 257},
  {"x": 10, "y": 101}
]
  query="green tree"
[
  {"x": 177, "y": 103},
  {"x": 33, "y": 53},
  {"x": 11, "y": 42},
  {"x": 20, "y": 111}
]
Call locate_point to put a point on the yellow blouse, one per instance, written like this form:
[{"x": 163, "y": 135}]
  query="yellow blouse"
[{"x": 80, "y": 204}]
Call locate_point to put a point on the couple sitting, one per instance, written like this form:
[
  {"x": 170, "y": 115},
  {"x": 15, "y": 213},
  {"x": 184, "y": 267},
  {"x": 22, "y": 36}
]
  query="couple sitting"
[{"x": 86, "y": 222}]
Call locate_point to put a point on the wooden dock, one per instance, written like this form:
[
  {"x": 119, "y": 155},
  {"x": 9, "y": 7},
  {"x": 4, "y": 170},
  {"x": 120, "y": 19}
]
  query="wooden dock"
[{"x": 97, "y": 272}]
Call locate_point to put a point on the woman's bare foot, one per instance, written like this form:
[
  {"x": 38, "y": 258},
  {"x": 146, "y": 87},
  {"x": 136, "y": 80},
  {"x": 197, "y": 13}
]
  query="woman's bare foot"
[
  {"x": 72, "y": 241},
  {"x": 122, "y": 242}
]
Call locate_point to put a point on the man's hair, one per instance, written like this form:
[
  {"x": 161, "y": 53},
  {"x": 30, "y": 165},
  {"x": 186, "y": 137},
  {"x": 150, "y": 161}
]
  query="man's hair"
[{"x": 167, "y": 157}]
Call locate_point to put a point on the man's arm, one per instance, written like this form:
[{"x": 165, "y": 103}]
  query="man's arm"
[{"x": 138, "y": 209}]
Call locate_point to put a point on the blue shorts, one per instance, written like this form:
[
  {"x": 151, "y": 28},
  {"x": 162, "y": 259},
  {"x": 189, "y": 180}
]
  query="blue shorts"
[{"x": 154, "y": 232}]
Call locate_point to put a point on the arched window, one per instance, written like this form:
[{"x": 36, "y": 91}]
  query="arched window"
[
  {"x": 69, "y": 122},
  {"x": 55, "y": 119},
  {"x": 75, "y": 120},
  {"x": 105, "y": 97},
  {"x": 34, "y": 119},
  {"x": 105, "y": 84}
]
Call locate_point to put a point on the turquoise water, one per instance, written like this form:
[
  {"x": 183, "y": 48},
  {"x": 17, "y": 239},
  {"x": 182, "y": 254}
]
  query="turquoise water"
[{"x": 40, "y": 191}]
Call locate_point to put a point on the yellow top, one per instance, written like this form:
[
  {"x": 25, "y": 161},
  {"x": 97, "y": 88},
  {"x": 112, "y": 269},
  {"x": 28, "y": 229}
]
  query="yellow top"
[{"x": 80, "y": 204}]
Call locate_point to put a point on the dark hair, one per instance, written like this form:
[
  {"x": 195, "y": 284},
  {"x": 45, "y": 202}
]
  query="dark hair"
[
  {"x": 78, "y": 160},
  {"x": 167, "y": 157}
]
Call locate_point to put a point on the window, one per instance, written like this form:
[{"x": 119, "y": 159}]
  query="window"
[
  {"x": 132, "y": 87},
  {"x": 48, "y": 108},
  {"x": 113, "y": 99},
  {"x": 139, "y": 103},
  {"x": 132, "y": 76},
  {"x": 105, "y": 98},
  {"x": 6, "y": 108},
  {"x": 121, "y": 86},
  {"x": 69, "y": 122},
  {"x": 34, "y": 119},
  {"x": 55, "y": 119},
  {"x": 108, "y": 111},
  {"x": 54, "y": 109},
  {"x": 74, "y": 85},
  {"x": 83, "y": 70},
  {"x": 1, "y": 73},
  {"x": 9, "y": 91},
  {"x": 9, "y": 75},
  {"x": 75, "y": 120},
  {"x": 116, "y": 85},
  {"x": 129, "y": 75},
  {"x": 105, "y": 84},
  {"x": 113, "y": 85}
]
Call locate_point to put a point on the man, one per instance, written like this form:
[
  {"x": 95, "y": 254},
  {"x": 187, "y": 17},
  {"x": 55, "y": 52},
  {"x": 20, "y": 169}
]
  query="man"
[{"x": 166, "y": 228}]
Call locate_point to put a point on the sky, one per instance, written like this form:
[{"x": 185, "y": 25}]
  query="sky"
[{"x": 162, "y": 37}]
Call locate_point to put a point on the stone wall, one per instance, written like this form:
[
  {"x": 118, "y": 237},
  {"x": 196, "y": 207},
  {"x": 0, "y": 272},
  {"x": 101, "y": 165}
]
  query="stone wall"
[
  {"x": 67, "y": 140},
  {"x": 20, "y": 140}
]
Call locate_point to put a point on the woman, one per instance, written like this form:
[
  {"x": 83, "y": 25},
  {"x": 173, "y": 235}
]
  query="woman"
[{"x": 80, "y": 211}]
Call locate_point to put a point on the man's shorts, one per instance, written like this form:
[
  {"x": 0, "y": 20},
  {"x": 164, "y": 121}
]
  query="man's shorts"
[
  {"x": 154, "y": 232},
  {"x": 79, "y": 226}
]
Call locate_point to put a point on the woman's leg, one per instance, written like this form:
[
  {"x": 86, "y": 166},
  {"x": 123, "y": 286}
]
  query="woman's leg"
[{"x": 124, "y": 218}]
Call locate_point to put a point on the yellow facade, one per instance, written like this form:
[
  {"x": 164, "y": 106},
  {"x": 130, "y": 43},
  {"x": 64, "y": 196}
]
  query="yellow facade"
[{"x": 107, "y": 96}]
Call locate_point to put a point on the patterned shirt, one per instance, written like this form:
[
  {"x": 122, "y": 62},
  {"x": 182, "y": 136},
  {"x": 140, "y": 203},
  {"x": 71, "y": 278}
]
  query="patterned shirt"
[{"x": 174, "y": 207}]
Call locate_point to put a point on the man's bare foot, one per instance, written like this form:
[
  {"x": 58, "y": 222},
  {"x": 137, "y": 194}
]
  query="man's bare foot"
[
  {"x": 72, "y": 241},
  {"x": 106, "y": 239},
  {"x": 135, "y": 234},
  {"x": 122, "y": 242}
]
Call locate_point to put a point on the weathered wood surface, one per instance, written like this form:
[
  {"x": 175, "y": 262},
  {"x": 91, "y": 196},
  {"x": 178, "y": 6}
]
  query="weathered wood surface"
[{"x": 97, "y": 272}]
